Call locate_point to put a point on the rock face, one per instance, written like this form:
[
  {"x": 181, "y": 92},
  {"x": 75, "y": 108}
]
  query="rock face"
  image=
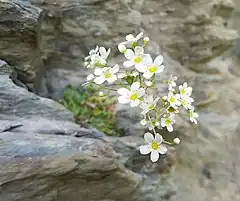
[
  {"x": 54, "y": 36},
  {"x": 45, "y": 156}
]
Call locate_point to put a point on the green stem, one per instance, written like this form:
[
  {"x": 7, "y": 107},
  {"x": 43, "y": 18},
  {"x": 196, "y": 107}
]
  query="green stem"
[
  {"x": 140, "y": 79},
  {"x": 166, "y": 142},
  {"x": 151, "y": 124}
]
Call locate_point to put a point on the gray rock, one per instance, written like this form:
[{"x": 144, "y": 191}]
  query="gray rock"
[
  {"x": 45, "y": 156},
  {"x": 41, "y": 159}
]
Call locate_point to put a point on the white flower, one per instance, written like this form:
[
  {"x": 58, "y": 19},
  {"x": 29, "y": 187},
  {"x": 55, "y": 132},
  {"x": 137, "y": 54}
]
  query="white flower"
[
  {"x": 154, "y": 146},
  {"x": 135, "y": 59},
  {"x": 167, "y": 122},
  {"x": 131, "y": 96},
  {"x": 133, "y": 74},
  {"x": 153, "y": 67},
  {"x": 186, "y": 102},
  {"x": 122, "y": 48},
  {"x": 149, "y": 104},
  {"x": 171, "y": 82},
  {"x": 97, "y": 57},
  {"x": 90, "y": 77},
  {"x": 174, "y": 100},
  {"x": 176, "y": 140},
  {"x": 133, "y": 40},
  {"x": 106, "y": 74},
  {"x": 185, "y": 90},
  {"x": 91, "y": 53},
  {"x": 193, "y": 116}
]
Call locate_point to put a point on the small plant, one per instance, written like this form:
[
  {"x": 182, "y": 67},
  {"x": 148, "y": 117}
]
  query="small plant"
[
  {"x": 90, "y": 108},
  {"x": 134, "y": 82}
]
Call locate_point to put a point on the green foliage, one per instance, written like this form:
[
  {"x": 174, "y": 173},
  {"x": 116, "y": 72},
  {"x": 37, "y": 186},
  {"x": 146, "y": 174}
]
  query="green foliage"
[{"x": 90, "y": 108}]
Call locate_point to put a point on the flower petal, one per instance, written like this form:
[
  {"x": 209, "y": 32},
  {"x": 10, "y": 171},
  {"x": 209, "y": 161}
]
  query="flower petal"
[
  {"x": 121, "y": 75},
  {"x": 159, "y": 60},
  {"x": 147, "y": 75},
  {"x": 123, "y": 100},
  {"x": 135, "y": 103},
  {"x": 162, "y": 149},
  {"x": 135, "y": 86},
  {"x": 170, "y": 128},
  {"x": 112, "y": 79},
  {"x": 130, "y": 37},
  {"x": 122, "y": 48},
  {"x": 147, "y": 60},
  {"x": 98, "y": 71},
  {"x": 160, "y": 69},
  {"x": 129, "y": 54},
  {"x": 140, "y": 35},
  {"x": 163, "y": 123},
  {"x": 114, "y": 69},
  {"x": 128, "y": 64},
  {"x": 141, "y": 92},
  {"x": 102, "y": 51},
  {"x": 138, "y": 50},
  {"x": 99, "y": 80},
  {"x": 123, "y": 92},
  {"x": 148, "y": 137},
  {"x": 158, "y": 138},
  {"x": 145, "y": 149},
  {"x": 140, "y": 67},
  {"x": 156, "y": 100},
  {"x": 90, "y": 77},
  {"x": 154, "y": 156}
]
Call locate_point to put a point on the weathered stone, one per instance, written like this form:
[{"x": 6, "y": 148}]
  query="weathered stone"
[
  {"x": 38, "y": 141},
  {"x": 45, "y": 156},
  {"x": 19, "y": 42}
]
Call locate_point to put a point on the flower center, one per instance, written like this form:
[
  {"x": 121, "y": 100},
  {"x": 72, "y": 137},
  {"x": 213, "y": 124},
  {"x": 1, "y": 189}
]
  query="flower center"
[
  {"x": 182, "y": 91},
  {"x": 168, "y": 122},
  {"x": 152, "y": 69},
  {"x": 108, "y": 75},
  {"x": 172, "y": 99},
  {"x": 134, "y": 96},
  {"x": 171, "y": 109},
  {"x": 137, "y": 60},
  {"x": 151, "y": 107},
  {"x": 155, "y": 145}
]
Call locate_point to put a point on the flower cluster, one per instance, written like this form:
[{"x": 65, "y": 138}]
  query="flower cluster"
[{"x": 134, "y": 81}]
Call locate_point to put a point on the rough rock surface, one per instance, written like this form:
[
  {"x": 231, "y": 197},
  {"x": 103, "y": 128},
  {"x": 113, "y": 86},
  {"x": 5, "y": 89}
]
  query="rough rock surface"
[
  {"x": 41, "y": 159},
  {"x": 45, "y": 156},
  {"x": 63, "y": 32}
]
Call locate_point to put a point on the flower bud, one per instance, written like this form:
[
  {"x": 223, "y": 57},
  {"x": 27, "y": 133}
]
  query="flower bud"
[
  {"x": 101, "y": 93},
  {"x": 176, "y": 140},
  {"x": 143, "y": 122},
  {"x": 145, "y": 40}
]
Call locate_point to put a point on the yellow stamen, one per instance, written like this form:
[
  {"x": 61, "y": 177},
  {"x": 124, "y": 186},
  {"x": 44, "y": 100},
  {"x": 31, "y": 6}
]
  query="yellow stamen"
[
  {"x": 133, "y": 97},
  {"x": 152, "y": 69},
  {"x": 108, "y": 75},
  {"x": 137, "y": 60},
  {"x": 155, "y": 145}
]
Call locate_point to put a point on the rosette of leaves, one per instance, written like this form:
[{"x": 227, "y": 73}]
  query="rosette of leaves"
[{"x": 90, "y": 109}]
